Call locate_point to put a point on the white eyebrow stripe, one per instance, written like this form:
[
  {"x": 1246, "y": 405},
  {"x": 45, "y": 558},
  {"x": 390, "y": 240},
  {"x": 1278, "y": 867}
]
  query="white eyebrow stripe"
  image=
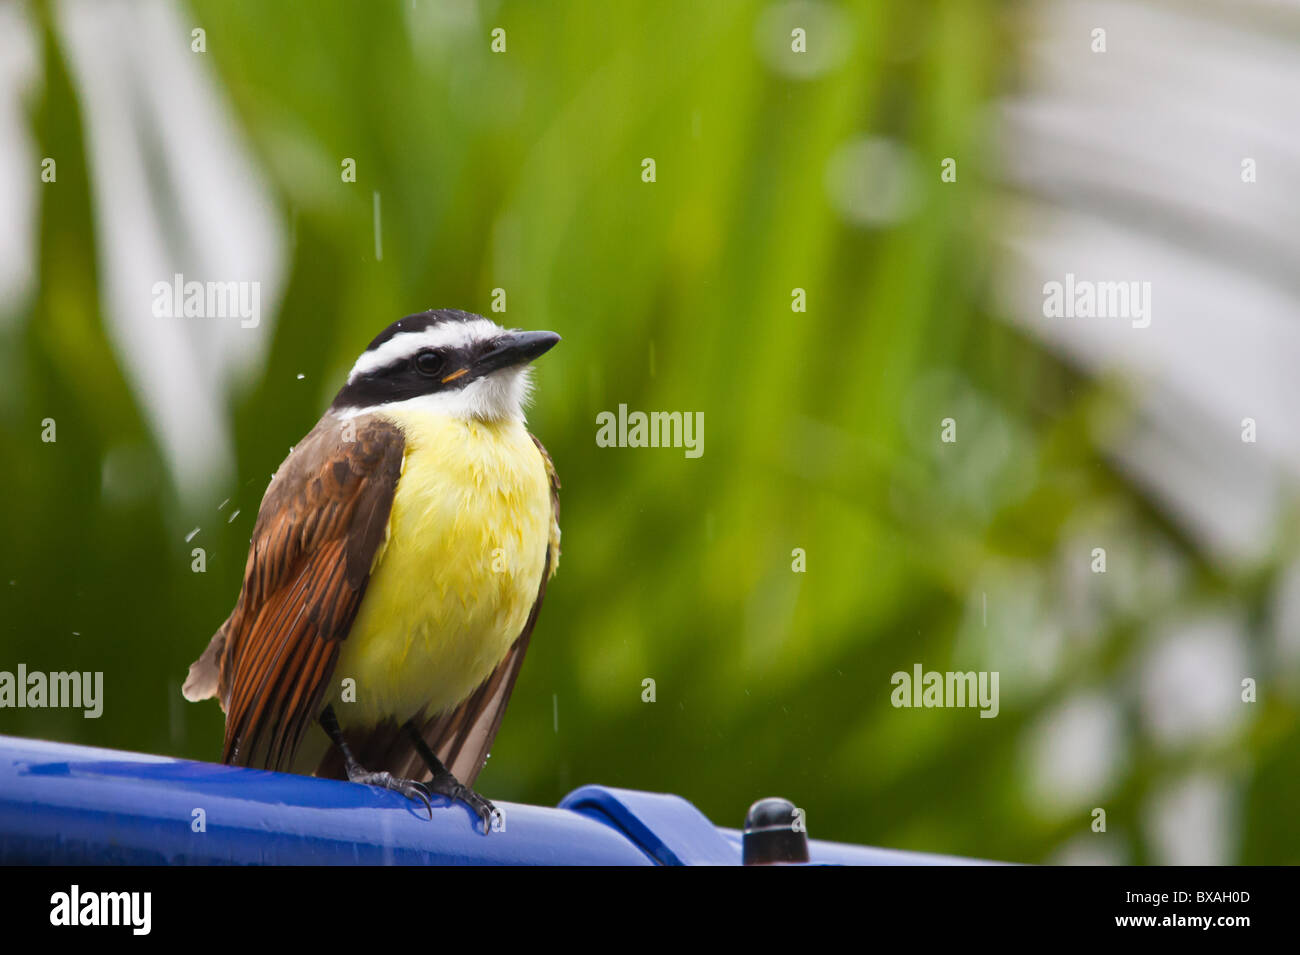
[{"x": 405, "y": 344}]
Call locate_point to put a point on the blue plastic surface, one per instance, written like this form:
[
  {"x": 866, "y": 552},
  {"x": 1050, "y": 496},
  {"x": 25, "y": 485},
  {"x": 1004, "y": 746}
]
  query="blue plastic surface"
[
  {"x": 667, "y": 827},
  {"x": 76, "y": 805},
  {"x": 73, "y": 805},
  {"x": 821, "y": 852}
]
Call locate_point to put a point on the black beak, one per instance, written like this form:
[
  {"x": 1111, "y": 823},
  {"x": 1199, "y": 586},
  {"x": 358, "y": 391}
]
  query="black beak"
[{"x": 514, "y": 348}]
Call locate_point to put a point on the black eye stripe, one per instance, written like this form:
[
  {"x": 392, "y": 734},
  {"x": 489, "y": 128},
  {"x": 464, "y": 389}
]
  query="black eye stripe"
[
  {"x": 449, "y": 358},
  {"x": 403, "y": 377}
]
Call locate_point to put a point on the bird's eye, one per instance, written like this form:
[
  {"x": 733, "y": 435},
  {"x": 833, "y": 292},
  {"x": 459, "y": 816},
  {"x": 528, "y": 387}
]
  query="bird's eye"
[{"x": 428, "y": 363}]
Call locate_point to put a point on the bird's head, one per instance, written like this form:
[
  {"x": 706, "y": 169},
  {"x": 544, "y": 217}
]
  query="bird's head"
[{"x": 447, "y": 361}]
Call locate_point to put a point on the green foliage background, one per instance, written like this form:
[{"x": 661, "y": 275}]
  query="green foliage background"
[{"x": 821, "y": 428}]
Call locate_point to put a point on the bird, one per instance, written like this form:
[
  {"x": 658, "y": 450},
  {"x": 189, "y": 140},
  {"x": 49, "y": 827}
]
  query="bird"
[{"x": 396, "y": 570}]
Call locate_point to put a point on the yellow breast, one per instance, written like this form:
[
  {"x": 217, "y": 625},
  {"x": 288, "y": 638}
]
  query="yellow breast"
[{"x": 454, "y": 583}]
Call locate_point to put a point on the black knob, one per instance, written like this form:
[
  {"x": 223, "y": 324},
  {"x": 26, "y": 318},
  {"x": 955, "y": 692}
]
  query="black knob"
[{"x": 771, "y": 835}]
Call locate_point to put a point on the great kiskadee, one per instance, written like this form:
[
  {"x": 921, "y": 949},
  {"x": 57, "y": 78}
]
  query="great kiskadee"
[{"x": 396, "y": 570}]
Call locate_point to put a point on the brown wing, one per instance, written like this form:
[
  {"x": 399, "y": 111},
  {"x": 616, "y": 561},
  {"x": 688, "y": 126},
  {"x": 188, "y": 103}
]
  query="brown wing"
[
  {"x": 460, "y": 737},
  {"x": 322, "y": 521}
]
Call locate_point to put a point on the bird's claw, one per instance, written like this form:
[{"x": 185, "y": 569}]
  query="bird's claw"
[
  {"x": 409, "y": 788},
  {"x": 451, "y": 787}
]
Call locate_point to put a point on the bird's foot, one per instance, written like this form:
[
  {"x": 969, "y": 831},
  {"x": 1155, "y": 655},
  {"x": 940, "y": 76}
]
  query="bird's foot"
[
  {"x": 445, "y": 784},
  {"x": 407, "y": 787}
]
